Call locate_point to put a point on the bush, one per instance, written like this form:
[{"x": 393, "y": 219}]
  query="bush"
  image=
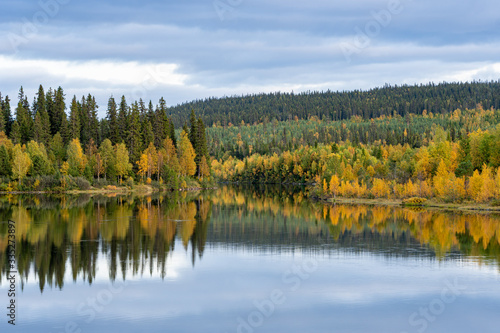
[
  {"x": 111, "y": 187},
  {"x": 130, "y": 182},
  {"x": 81, "y": 183},
  {"x": 100, "y": 183},
  {"x": 415, "y": 201},
  {"x": 48, "y": 183}
]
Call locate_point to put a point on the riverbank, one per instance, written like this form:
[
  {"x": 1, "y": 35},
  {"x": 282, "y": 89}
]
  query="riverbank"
[
  {"x": 465, "y": 206},
  {"x": 140, "y": 189}
]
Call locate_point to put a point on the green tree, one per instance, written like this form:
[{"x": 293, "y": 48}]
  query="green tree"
[
  {"x": 112, "y": 116},
  {"x": 107, "y": 154},
  {"x": 134, "y": 141},
  {"x": 5, "y": 162},
  {"x": 74, "y": 119},
  {"x": 41, "y": 130},
  {"x": 122, "y": 165},
  {"x": 40, "y": 164}
]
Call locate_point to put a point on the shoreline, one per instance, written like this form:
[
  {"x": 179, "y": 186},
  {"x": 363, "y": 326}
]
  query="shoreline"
[{"x": 429, "y": 204}]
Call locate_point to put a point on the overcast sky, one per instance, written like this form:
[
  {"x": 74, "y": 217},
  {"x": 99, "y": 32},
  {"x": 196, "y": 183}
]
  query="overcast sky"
[{"x": 193, "y": 49}]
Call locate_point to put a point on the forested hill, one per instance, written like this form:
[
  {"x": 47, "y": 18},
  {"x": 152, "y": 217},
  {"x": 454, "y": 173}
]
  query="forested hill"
[{"x": 435, "y": 98}]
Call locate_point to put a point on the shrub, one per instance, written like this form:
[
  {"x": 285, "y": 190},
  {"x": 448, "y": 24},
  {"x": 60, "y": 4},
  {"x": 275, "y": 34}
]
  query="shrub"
[
  {"x": 415, "y": 201},
  {"x": 100, "y": 183},
  {"x": 130, "y": 182},
  {"x": 81, "y": 183}
]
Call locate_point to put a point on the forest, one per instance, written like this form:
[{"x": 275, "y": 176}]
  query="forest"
[{"x": 430, "y": 141}]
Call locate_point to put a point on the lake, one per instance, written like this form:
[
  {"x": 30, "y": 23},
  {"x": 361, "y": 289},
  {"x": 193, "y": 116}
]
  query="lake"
[{"x": 246, "y": 259}]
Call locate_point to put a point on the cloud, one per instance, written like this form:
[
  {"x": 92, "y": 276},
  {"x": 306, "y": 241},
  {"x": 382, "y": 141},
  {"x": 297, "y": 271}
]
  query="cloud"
[{"x": 107, "y": 47}]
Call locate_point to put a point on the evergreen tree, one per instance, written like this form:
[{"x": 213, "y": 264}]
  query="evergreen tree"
[
  {"x": 93, "y": 120},
  {"x": 148, "y": 135},
  {"x": 134, "y": 141},
  {"x": 5, "y": 163},
  {"x": 172, "y": 133},
  {"x": 2, "y": 118},
  {"x": 58, "y": 114},
  {"x": 23, "y": 118},
  {"x": 112, "y": 117},
  {"x": 74, "y": 119},
  {"x": 41, "y": 130},
  {"x": 15, "y": 133},
  {"x": 122, "y": 120},
  {"x": 84, "y": 122},
  {"x": 200, "y": 147},
  {"x": 193, "y": 129},
  {"x": 7, "y": 115}
]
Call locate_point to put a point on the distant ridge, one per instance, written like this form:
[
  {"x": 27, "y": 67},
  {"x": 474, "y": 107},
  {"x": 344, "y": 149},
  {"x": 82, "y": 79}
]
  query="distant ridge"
[{"x": 387, "y": 100}]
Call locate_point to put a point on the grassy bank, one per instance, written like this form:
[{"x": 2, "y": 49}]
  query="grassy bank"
[{"x": 465, "y": 206}]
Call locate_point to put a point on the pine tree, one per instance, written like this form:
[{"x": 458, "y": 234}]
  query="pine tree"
[
  {"x": 200, "y": 147},
  {"x": 114, "y": 130},
  {"x": 7, "y": 115},
  {"x": 84, "y": 115},
  {"x": 2, "y": 118},
  {"x": 134, "y": 141},
  {"x": 147, "y": 132},
  {"x": 122, "y": 120},
  {"x": 41, "y": 129},
  {"x": 5, "y": 162},
  {"x": 15, "y": 133},
  {"x": 23, "y": 118},
  {"x": 93, "y": 120},
  {"x": 74, "y": 119},
  {"x": 172, "y": 133},
  {"x": 193, "y": 131},
  {"x": 59, "y": 112}
]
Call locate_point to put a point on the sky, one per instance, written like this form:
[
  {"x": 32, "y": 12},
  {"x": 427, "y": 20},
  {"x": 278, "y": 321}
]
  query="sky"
[{"x": 196, "y": 49}]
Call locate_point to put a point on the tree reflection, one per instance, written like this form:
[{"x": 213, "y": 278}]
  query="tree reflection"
[{"x": 137, "y": 234}]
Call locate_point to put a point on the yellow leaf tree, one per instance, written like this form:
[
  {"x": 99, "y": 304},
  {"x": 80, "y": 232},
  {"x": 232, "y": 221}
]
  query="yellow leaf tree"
[
  {"x": 334, "y": 185},
  {"x": 76, "y": 158},
  {"x": 122, "y": 164},
  {"x": 21, "y": 162},
  {"x": 186, "y": 156}
]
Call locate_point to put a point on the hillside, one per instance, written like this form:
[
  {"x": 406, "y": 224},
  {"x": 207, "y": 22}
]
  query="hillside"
[{"x": 388, "y": 101}]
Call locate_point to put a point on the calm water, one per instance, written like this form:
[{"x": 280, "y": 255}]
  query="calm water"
[{"x": 247, "y": 260}]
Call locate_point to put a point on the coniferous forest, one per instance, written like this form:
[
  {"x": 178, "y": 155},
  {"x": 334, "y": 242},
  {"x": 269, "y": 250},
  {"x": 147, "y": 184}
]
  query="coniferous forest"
[{"x": 429, "y": 141}]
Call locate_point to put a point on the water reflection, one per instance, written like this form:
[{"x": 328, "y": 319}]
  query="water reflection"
[{"x": 136, "y": 234}]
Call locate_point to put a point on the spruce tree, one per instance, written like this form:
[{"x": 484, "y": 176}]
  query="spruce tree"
[
  {"x": 134, "y": 142},
  {"x": 2, "y": 119},
  {"x": 7, "y": 115},
  {"x": 41, "y": 130},
  {"x": 172, "y": 133},
  {"x": 74, "y": 119},
  {"x": 58, "y": 112},
  {"x": 193, "y": 129},
  {"x": 23, "y": 118},
  {"x": 15, "y": 133},
  {"x": 93, "y": 120},
  {"x": 123, "y": 114},
  {"x": 111, "y": 115}
]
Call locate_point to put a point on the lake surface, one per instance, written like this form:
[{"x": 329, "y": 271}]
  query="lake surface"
[{"x": 239, "y": 259}]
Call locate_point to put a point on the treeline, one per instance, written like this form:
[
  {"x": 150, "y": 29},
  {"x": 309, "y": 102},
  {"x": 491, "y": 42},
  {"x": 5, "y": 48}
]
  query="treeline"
[
  {"x": 335, "y": 106},
  {"x": 277, "y": 137},
  {"x": 454, "y": 171},
  {"x": 133, "y": 143}
]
